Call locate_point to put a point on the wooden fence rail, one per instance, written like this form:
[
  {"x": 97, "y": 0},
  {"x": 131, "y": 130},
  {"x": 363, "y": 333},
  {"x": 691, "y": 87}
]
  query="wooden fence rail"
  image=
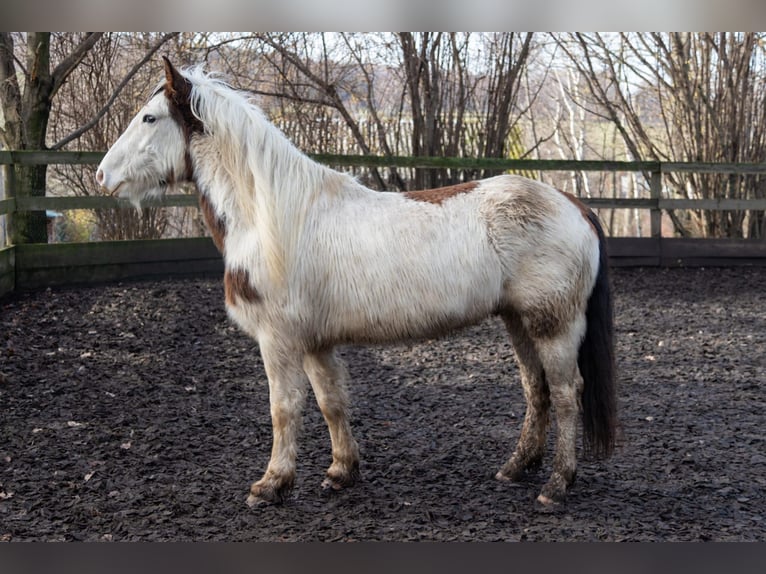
[{"x": 34, "y": 266}]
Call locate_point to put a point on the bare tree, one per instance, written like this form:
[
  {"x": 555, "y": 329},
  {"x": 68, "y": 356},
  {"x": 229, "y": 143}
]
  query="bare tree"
[
  {"x": 311, "y": 69},
  {"x": 35, "y": 67},
  {"x": 26, "y": 108},
  {"x": 508, "y": 55},
  {"x": 445, "y": 86},
  {"x": 427, "y": 94},
  {"x": 94, "y": 108},
  {"x": 685, "y": 97},
  {"x": 570, "y": 130}
]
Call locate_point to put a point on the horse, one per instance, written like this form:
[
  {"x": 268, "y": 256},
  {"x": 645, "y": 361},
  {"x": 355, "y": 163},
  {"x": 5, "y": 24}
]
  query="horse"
[{"x": 315, "y": 260}]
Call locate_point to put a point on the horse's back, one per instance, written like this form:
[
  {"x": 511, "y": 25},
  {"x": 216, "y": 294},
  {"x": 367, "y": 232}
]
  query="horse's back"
[
  {"x": 385, "y": 266},
  {"x": 381, "y": 267}
]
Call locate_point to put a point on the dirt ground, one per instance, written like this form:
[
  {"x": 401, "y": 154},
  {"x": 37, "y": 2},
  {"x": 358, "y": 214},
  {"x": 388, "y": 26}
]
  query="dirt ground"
[{"x": 137, "y": 411}]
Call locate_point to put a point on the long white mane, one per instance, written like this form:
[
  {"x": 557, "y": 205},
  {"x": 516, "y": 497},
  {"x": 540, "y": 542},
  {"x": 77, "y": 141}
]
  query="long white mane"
[{"x": 273, "y": 183}]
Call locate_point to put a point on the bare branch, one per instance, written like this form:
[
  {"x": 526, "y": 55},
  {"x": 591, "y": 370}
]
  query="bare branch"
[
  {"x": 68, "y": 64},
  {"x": 89, "y": 125}
]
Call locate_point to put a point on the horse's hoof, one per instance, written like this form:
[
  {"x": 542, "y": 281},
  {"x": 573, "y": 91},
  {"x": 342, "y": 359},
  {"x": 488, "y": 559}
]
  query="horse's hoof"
[
  {"x": 502, "y": 477},
  {"x": 546, "y": 501},
  {"x": 547, "y": 505},
  {"x": 332, "y": 485},
  {"x": 335, "y": 482},
  {"x": 254, "y": 501},
  {"x": 264, "y": 493},
  {"x": 517, "y": 470},
  {"x": 513, "y": 477},
  {"x": 555, "y": 490}
]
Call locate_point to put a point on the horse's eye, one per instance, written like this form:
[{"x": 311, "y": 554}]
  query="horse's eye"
[{"x": 149, "y": 119}]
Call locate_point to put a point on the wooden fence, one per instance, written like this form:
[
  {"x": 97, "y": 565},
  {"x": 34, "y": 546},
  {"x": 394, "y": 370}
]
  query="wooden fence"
[{"x": 24, "y": 267}]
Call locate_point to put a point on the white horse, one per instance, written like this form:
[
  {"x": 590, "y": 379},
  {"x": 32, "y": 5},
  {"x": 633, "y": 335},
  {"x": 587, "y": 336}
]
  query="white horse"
[{"x": 315, "y": 260}]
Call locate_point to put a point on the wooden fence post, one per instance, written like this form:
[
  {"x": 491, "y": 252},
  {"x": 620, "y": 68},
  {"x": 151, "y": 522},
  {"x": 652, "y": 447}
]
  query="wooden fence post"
[
  {"x": 655, "y": 193},
  {"x": 7, "y": 251},
  {"x": 9, "y": 187}
]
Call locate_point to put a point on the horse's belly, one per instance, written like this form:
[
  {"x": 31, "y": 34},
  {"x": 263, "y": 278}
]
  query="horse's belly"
[{"x": 381, "y": 315}]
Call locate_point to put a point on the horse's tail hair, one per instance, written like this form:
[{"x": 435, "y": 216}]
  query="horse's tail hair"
[{"x": 596, "y": 360}]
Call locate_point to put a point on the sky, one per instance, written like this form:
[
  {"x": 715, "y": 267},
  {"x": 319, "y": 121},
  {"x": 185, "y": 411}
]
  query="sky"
[{"x": 385, "y": 15}]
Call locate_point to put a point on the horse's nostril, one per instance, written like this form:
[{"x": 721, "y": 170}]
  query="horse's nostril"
[{"x": 100, "y": 177}]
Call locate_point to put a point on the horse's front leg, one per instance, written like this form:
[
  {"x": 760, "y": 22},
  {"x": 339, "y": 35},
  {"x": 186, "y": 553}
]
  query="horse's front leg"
[
  {"x": 328, "y": 379},
  {"x": 287, "y": 394}
]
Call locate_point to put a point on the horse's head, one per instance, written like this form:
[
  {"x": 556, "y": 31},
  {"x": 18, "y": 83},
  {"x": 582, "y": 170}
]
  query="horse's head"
[{"x": 152, "y": 153}]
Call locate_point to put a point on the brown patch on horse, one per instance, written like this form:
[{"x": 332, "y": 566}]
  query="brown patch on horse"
[
  {"x": 236, "y": 286},
  {"x": 584, "y": 209},
  {"x": 215, "y": 224},
  {"x": 178, "y": 92},
  {"x": 441, "y": 194}
]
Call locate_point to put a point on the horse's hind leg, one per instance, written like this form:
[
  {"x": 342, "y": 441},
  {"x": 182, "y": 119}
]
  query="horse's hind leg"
[
  {"x": 328, "y": 379},
  {"x": 558, "y": 355},
  {"x": 287, "y": 393},
  {"x": 531, "y": 446}
]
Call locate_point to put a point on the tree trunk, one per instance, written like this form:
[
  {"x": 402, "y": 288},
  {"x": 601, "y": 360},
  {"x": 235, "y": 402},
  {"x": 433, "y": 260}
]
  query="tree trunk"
[
  {"x": 25, "y": 115},
  {"x": 29, "y": 114},
  {"x": 31, "y": 226}
]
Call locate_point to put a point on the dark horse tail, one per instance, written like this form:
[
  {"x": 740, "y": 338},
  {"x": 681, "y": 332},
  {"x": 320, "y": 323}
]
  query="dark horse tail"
[{"x": 596, "y": 360}]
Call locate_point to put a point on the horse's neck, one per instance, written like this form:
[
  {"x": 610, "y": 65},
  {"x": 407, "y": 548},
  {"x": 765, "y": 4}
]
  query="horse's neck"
[
  {"x": 259, "y": 182},
  {"x": 214, "y": 180}
]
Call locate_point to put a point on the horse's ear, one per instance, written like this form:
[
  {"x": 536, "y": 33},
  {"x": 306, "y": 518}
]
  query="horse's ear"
[{"x": 175, "y": 81}]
